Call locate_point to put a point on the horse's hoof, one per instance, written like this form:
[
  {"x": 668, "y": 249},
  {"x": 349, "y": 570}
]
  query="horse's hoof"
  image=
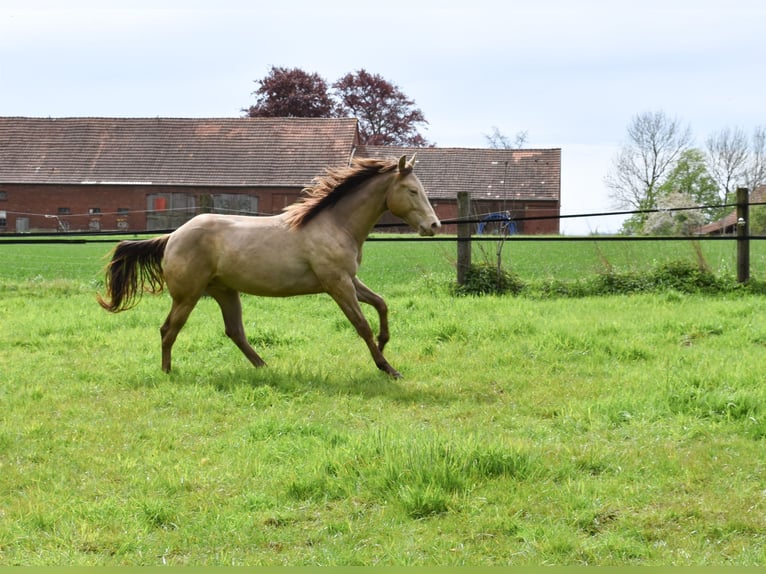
[
  {"x": 386, "y": 368},
  {"x": 393, "y": 372}
]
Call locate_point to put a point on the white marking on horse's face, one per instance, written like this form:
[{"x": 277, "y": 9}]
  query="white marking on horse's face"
[{"x": 407, "y": 199}]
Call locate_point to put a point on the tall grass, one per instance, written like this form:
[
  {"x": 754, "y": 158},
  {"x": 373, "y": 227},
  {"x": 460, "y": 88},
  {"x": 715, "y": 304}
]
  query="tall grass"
[{"x": 625, "y": 429}]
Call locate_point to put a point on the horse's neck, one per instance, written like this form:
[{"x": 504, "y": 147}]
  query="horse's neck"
[{"x": 360, "y": 210}]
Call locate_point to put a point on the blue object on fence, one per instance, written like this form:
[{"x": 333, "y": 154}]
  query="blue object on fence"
[{"x": 507, "y": 225}]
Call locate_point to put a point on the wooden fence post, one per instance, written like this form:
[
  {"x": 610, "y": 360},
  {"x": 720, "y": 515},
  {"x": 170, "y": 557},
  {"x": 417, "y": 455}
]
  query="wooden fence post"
[
  {"x": 743, "y": 233},
  {"x": 463, "y": 236}
]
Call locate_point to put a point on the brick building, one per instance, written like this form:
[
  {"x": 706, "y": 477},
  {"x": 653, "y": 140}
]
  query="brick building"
[
  {"x": 143, "y": 174},
  {"x": 525, "y": 183},
  {"x": 137, "y": 174}
]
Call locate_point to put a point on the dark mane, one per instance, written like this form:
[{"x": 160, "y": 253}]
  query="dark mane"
[{"x": 334, "y": 185}]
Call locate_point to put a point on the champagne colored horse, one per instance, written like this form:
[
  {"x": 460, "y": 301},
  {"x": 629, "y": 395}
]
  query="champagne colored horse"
[{"x": 314, "y": 246}]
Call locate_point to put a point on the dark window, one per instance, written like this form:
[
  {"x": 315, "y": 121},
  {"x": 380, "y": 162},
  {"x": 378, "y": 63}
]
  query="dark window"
[{"x": 235, "y": 203}]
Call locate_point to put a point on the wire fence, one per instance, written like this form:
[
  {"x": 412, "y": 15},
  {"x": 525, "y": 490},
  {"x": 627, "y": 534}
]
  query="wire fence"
[
  {"x": 477, "y": 219},
  {"x": 533, "y": 255}
]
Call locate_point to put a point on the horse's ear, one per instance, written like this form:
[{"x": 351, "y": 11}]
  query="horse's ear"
[{"x": 405, "y": 166}]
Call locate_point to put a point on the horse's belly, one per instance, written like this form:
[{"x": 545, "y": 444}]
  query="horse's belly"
[
  {"x": 272, "y": 280},
  {"x": 300, "y": 286}
]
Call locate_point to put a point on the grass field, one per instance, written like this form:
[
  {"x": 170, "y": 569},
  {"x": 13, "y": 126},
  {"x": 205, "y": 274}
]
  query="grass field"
[{"x": 595, "y": 430}]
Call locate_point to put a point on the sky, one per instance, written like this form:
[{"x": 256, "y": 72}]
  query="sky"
[{"x": 571, "y": 74}]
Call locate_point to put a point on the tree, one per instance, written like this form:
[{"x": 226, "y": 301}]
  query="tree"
[
  {"x": 690, "y": 178},
  {"x": 734, "y": 160},
  {"x": 688, "y": 185},
  {"x": 757, "y": 224},
  {"x": 672, "y": 219},
  {"x": 727, "y": 157},
  {"x": 755, "y": 173},
  {"x": 498, "y": 140},
  {"x": 291, "y": 93},
  {"x": 654, "y": 144},
  {"x": 386, "y": 116}
]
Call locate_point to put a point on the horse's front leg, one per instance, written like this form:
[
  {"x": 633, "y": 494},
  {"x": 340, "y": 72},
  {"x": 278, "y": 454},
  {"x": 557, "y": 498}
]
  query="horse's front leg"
[
  {"x": 367, "y": 295},
  {"x": 344, "y": 292}
]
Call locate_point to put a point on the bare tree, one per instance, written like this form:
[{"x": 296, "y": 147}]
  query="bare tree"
[
  {"x": 734, "y": 159},
  {"x": 727, "y": 159},
  {"x": 498, "y": 140},
  {"x": 755, "y": 174},
  {"x": 655, "y": 143}
]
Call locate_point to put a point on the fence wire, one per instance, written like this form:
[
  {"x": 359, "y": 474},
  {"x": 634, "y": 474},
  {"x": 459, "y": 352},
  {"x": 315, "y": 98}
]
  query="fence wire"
[{"x": 110, "y": 236}]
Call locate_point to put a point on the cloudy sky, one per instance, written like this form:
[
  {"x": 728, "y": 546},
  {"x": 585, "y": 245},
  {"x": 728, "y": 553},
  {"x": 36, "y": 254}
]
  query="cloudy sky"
[{"x": 571, "y": 74}]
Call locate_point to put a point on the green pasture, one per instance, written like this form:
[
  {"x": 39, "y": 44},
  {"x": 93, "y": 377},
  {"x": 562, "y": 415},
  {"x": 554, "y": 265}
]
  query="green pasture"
[{"x": 627, "y": 429}]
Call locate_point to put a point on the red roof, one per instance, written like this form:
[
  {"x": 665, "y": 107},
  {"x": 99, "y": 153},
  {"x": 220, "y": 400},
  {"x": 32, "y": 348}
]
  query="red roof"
[
  {"x": 262, "y": 152},
  {"x": 486, "y": 173},
  {"x": 170, "y": 151}
]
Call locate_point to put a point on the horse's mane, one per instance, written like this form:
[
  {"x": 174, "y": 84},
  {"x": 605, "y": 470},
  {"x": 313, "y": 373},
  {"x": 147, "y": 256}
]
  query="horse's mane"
[{"x": 326, "y": 190}]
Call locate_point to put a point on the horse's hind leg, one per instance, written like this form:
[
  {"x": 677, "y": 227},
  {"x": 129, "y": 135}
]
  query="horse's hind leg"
[
  {"x": 177, "y": 317},
  {"x": 231, "y": 308}
]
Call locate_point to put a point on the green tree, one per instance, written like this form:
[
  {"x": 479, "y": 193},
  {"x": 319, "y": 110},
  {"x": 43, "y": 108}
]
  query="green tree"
[{"x": 690, "y": 178}]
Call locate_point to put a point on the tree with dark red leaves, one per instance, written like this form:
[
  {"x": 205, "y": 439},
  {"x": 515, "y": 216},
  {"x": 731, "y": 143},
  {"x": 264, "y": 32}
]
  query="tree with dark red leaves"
[
  {"x": 291, "y": 93},
  {"x": 386, "y": 115}
]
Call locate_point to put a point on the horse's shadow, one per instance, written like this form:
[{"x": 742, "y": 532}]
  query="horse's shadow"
[{"x": 303, "y": 380}]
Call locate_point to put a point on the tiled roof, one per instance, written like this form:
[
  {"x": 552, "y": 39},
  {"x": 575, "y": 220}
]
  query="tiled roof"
[
  {"x": 170, "y": 151},
  {"x": 485, "y": 173}
]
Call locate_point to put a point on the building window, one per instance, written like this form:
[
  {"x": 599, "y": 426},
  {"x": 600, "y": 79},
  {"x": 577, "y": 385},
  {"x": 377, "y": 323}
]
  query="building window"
[
  {"x": 94, "y": 211},
  {"x": 3, "y": 195},
  {"x": 3, "y": 219},
  {"x": 235, "y": 203},
  {"x": 64, "y": 211},
  {"x": 169, "y": 210},
  {"x": 122, "y": 218}
]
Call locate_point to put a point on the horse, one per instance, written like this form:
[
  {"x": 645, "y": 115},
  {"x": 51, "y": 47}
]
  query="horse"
[{"x": 312, "y": 246}]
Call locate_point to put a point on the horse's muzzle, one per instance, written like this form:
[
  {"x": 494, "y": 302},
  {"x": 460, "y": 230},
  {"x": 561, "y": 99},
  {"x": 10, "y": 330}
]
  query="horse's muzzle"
[{"x": 427, "y": 231}]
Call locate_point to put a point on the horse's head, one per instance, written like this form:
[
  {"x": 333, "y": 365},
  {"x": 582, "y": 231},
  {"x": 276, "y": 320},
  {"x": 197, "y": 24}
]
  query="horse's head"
[{"x": 407, "y": 199}]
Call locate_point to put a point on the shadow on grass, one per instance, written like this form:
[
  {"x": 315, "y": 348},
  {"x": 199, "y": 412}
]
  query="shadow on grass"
[{"x": 301, "y": 381}]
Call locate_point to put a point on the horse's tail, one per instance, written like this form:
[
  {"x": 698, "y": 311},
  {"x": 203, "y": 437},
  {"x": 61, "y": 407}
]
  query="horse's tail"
[{"x": 136, "y": 266}]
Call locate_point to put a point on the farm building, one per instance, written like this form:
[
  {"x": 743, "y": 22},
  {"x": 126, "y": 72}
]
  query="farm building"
[
  {"x": 727, "y": 225},
  {"x": 137, "y": 174},
  {"x": 143, "y": 174},
  {"x": 524, "y": 183}
]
